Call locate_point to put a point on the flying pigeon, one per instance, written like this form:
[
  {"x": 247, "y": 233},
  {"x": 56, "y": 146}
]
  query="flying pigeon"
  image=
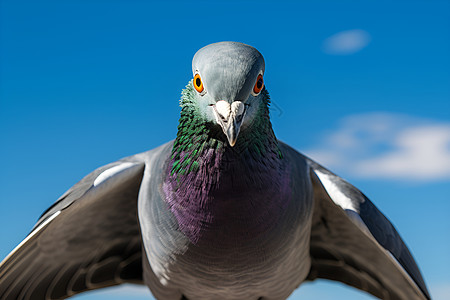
[{"x": 224, "y": 211}]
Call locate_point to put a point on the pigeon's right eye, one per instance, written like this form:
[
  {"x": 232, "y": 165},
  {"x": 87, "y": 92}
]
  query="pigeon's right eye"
[{"x": 198, "y": 84}]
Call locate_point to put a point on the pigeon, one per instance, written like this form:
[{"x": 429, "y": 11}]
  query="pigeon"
[{"x": 224, "y": 211}]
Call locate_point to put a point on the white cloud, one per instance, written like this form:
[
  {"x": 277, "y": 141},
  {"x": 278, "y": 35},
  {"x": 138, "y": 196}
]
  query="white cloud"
[
  {"x": 421, "y": 153},
  {"x": 346, "y": 42},
  {"x": 383, "y": 145}
]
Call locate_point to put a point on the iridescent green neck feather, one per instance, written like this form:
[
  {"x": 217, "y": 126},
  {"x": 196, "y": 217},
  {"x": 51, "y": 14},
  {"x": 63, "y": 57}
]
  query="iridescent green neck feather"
[
  {"x": 211, "y": 186},
  {"x": 196, "y": 135}
]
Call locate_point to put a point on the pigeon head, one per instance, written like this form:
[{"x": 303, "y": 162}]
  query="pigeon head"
[
  {"x": 228, "y": 84},
  {"x": 224, "y": 115}
]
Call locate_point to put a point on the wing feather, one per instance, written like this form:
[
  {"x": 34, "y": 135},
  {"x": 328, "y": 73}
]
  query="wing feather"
[
  {"x": 89, "y": 238},
  {"x": 353, "y": 242}
]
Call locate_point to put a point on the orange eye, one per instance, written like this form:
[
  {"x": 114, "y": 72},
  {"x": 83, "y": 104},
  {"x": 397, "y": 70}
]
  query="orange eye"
[
  {"x": 258, "y": 85},
  {"x": 198, "y": 84}
]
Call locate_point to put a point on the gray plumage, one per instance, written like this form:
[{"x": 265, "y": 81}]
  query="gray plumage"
[{"x": 267, "y": 217}]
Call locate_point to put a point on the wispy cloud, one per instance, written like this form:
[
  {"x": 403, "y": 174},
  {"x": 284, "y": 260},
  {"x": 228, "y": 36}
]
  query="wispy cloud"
[
  {"x": 384, "y": 145},
  {"x": 346, "y": 42}
]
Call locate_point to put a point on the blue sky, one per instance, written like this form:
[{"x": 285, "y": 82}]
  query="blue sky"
[{"x": 362, "y": 87}]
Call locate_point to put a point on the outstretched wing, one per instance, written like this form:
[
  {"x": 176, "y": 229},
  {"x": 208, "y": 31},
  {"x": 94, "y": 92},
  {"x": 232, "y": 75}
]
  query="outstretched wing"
[
  {"x": 353, "y": 242},
  {"x": 88, "y": 239}
]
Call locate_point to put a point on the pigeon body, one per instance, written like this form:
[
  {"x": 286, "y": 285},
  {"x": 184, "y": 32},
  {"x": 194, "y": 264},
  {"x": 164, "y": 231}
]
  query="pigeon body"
[
  {"x": 225, "y": 211},
  {"x": 233, "y": 207}
]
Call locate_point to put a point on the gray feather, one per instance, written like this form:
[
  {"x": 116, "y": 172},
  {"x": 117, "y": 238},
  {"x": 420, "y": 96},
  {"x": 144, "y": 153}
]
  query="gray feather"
[
  {"x": 359, "y": 246},
  {"x": 88, "y": 239}
]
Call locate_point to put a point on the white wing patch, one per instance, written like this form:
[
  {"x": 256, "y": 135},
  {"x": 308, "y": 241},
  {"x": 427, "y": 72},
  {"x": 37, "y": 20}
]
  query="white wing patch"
[
  {"x": 335, "y": 193},
  {"x": 343, "y": 201},
  {"x": 32, "y": 234},
  {"x": 107, "y": 174}
]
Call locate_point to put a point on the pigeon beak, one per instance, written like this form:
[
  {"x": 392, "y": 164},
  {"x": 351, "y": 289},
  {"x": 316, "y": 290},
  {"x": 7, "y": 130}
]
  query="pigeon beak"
[
  {"x": 232, "y": 131},
  {"x": 230, "y": 117}
]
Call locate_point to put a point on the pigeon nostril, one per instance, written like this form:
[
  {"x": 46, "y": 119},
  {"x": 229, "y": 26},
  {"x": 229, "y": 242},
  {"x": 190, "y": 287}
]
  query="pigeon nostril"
[{"x": 223, "y": 118}]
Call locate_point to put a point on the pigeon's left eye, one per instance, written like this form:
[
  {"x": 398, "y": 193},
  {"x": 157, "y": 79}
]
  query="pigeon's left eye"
[
  {"x": 198, "y": 84},
  {"x": 258, "y": 85}
]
